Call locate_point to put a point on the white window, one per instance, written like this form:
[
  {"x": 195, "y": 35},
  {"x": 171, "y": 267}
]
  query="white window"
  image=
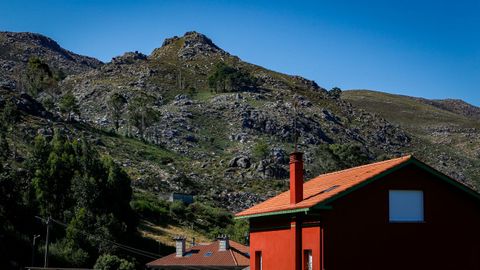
[{"x": 406, "y": 205}]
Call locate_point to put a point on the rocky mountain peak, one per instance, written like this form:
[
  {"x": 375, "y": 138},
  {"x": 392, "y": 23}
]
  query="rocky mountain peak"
[
  {"x": 33, "y": 38},
  {"x": 16, "y": 48},
  {"x": 191, "y": 45},
  {"x": 129, "y": 57}
]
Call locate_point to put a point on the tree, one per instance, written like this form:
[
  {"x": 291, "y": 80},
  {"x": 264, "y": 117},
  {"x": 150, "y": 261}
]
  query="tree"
[
  {"x": 335, "y": 92},
  {"x": 349, "y": 155},
  {"x": 89, "y": 193},
  {"x": 69, "y": 105},
  {"x": 9, "y": 117},
  {"x": 238, "y": 231},
  {"x": 39, "y": 76},
  {"x": 227, "y": 79},
  {"x": 12, "y": 243},
  {"x": 4, "y": 147},
  {"x": 54, "y": 171},
  {"x": 116, "y": 102},
  {"x": 112, "y": 262},
  {"x": 141, "y": 113},
  {"x": 261, "y": 150}
]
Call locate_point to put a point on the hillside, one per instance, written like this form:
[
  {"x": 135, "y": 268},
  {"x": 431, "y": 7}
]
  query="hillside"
[
  {"x": 221, "y": 161},
  {"x": 446, "y": 132},
  {"x": 168, "y": 136}
]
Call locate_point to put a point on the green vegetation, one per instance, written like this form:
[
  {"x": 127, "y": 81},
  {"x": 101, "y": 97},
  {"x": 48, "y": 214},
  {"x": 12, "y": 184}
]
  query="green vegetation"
[
  {"x": 261, "y": 150},
  {"x": 200, "y": 216},
  {"x": 229, "y": 79},
  {"x": 68, "y": 105},
  {"x": 87, "y": 195},
  {"x": 8, "y": 120},
  {"x": 141, "y": 113},
  {"x": 335, "y": 92},
  {"x": 116, "y": 102},
  {"x": 337, "y": 157},
  {"x": 90, "y": 194},
  {"x": 112, "y": 262},
  {"x": 39, "y": 77}
]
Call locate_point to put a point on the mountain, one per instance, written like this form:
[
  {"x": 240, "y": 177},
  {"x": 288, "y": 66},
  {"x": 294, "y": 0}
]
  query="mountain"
[
  {"x": 193, "y": 118},
  {"x": 17, "y": 48},
  {"x": 215, "y": 131},
  {"x": 456, "y": 106},
  {"x": 446, "y": 133}
]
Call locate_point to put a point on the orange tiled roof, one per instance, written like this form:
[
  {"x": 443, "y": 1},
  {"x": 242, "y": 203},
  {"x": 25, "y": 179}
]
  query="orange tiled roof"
[
  {"x": 324, "y": 187},
  {"x": 236, "y": 255}
]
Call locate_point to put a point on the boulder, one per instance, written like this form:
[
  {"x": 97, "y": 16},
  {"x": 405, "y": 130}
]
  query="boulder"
[{"x": 240, "y": 162}]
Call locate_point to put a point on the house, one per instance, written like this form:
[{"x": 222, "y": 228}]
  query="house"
[
  {"x": 394, "y": 214},
  {"x": 222, "y": 254}
]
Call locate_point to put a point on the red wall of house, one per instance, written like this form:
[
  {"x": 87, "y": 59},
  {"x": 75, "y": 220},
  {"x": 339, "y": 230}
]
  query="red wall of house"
[
  {"x": 311, "y": 239},
  {"x": 358, "y": 234},
  {"x": 275, "y": 247},
  {"x": 274, "y": 238}
]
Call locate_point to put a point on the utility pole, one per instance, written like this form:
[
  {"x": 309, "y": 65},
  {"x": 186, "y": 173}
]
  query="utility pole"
[
  {"x": 45, "y": 265},
  {"x": 33, "y": 248}
]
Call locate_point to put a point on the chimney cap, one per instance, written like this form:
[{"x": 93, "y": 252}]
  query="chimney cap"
[{"x": 222, "y": 237}]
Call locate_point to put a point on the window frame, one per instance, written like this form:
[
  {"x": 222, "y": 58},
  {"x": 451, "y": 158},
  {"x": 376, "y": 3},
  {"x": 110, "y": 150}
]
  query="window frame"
[{"x": 396, "y": 221}]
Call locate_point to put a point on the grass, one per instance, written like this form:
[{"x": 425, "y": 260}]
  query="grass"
[
  {"x": 203, "y": 95},
  {"x": 436, "y": 131},
  {"x": 406, "y": 111},
  {"x": 165, "y": 234},
  {"x": 417, "y": 117}
]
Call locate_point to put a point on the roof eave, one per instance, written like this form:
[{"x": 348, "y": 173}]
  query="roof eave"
[{"x": 274, "y": 213}]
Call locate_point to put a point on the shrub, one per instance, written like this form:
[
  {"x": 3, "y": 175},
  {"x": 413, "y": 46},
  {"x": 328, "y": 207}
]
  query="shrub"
[
  {"x": 152, "y": 208},
  {"x": 261, "y": 150},
  {"x": 229, "y": 79},
  {"x": 112, "y": 262}
]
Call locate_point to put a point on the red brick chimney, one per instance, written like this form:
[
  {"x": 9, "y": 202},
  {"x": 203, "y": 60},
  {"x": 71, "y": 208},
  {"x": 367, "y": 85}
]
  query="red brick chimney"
[{"x": 296, "y": 177}]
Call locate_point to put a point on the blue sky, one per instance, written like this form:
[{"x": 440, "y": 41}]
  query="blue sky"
[{"x": 420, "y": 48}]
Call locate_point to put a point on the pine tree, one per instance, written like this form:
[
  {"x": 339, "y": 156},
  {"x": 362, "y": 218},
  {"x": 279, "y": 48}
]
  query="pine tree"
[
  {"x": 115, "y": 107},
  {"x": 69, "y": 106}
]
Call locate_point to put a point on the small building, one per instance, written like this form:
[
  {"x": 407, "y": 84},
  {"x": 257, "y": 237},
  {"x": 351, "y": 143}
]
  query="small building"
[
  {"x": 394, "y": 214},
  {"x": 222, "y": 254},
  {"x": 181, "y": 197}
]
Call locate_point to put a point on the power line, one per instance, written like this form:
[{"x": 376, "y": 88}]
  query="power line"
[{"x": 121, "y": 246}]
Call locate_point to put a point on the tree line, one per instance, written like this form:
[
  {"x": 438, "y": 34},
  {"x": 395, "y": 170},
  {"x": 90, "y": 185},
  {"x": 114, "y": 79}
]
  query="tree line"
[{"x": 66, "y": 179}]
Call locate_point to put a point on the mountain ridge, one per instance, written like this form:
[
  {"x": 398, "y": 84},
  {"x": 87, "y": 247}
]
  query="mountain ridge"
[{"x": 183, "y": 148}]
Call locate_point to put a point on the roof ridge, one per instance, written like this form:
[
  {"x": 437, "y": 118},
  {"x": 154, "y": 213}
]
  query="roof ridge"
[
  {"x": 233, "y": 256},
  {"x": 407, "y": 157}
]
